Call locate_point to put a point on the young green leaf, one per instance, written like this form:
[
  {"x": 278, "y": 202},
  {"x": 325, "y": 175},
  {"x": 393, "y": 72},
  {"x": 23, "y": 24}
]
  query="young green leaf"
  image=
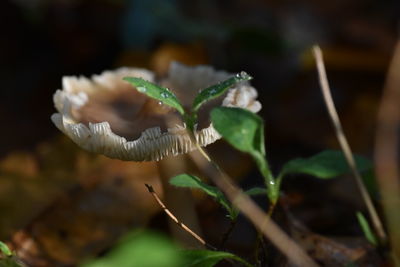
[
  {"x": 327, "y": 164},
  {"x": 243, "y": 129},
  {"x": 157, "y": 92},
  {"x": 5, "y": 250},
  {"x": 368, "y": 233},
  {"x": 144, "y": 249},
  {"x": 208, "y": 258},
  {"x": 10, "y": 260},
  {"x": 255, "y": 191},
  {"x": 191, "y": 181},
  {"x": 217, "y": 90}
]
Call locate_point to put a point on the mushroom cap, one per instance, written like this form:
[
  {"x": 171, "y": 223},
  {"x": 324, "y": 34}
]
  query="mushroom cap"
[{"x": 106, "y": 115}]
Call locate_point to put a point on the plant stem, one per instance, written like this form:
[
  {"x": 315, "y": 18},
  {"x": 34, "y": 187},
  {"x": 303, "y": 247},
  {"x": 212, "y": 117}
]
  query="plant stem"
[
  {"x": 260, "y": 246},
  {"x": 344, "y": 143},
  {"x": 226, "y": 235},
  {"x": 255, "y": 214},
  {"x": 260, "y": 239},
  {"x": 269, "y": 180}
]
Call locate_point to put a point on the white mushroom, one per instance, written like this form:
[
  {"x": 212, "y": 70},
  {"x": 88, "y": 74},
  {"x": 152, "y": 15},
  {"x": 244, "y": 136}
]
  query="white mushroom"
[{"x": 106, "y": 115}]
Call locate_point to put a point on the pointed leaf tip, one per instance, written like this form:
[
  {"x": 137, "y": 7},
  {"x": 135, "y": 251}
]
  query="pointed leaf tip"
[
  {"x": 157, "y": 92},
  {"x": 218, "y": 89}
]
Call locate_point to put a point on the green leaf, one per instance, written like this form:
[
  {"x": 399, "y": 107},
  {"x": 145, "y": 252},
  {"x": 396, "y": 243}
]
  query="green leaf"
[
  {"x": 327, "y": 164},
  {"x": 191, "y": 181},
  {"x": 10, "y": 260},
  {"x": 255, "y": 191},
  {"x": 217, "y": 90},
  {"x": 243, "y": 129},
  {"x": 144, "y": 249},
  {"x": 368, "y": 233},
  {"x": 208, "y": 258},
  {"x": 157, "y": 92},
  {"x": 5, "y": 250}
]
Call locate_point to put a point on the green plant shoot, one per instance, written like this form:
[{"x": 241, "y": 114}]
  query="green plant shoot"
[
  {"x": 368, "y": 233},
  {"x": 217, "y": 90},
  {"x": 256, "y": 191},
  {"x": 191, "y": 181},
  {"x": 325, "y": 165},
  {"x": 5, "y": 250},
  {"x": 157, "y": 92},
  {"x": 244, "y": 130},
  {"x": 168, "y": 98}
]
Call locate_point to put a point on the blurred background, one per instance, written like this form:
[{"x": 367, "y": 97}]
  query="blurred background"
[{"x": 52, "y": 192}]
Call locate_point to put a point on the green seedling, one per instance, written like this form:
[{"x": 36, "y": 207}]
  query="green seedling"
[{"x": 165, "y": 96}]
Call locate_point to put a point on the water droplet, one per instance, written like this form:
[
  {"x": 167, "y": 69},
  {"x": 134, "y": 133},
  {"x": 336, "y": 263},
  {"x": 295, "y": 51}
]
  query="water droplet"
[
  {"x": 271, "y": 183},
  {"x": 142, "y": 89},
  {"x": 160, "y": 103},
  {"x": 243, "y": 76},
  {"x": 164, "y": 95},
  {"x": 212, "y": 91}
]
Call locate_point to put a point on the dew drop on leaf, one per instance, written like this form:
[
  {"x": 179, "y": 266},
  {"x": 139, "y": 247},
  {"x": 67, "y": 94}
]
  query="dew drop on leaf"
[
  {"x": 142, "y": 89},
  {"x": 212, "y": 91},
  {"x": 243, "y": 76}
]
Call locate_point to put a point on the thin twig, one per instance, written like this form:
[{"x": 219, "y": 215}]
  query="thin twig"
[
  {"x": 179, "y": 202},
  {"x": 255, "y": 214},
  {"x": 386, "y": 151},
  {"x": 323, "y": 80},
  {"x": 172, "y": 216}
]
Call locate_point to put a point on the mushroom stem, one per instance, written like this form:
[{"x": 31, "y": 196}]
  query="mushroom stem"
[{"x": 179, "y": 201}]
